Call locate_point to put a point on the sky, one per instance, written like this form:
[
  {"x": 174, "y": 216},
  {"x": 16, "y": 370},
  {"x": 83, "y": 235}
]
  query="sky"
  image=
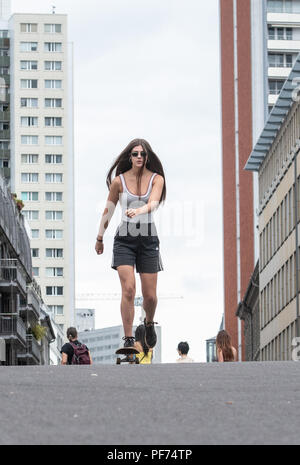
[{"x": 150, "y": 69}]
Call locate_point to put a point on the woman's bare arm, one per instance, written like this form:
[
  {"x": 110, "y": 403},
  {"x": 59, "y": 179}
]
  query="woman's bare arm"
[{"x": 112, "y": 200}]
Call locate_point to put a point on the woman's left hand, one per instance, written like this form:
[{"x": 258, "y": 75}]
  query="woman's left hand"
[{"x": 132, "y": 212}]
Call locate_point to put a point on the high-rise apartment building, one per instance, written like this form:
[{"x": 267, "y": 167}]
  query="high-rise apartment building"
[
  {"x": 36, "y": 146},
  {"x": 259, "y": 45}
]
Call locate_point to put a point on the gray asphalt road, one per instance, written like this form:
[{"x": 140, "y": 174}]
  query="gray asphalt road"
[{"x": 247, "y": 403}]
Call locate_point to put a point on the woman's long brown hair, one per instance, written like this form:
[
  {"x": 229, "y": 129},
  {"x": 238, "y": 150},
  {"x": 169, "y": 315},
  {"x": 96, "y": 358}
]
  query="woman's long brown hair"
[
  {"x": 223, "y": 343},
  {"x": 122, "y": 164}
]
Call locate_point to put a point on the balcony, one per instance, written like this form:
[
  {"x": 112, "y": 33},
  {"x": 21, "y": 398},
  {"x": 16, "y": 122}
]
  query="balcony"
[
  {"x": 4, "y": 42},
  {"x": 32, "y": 354},
  {"x": 5, "y": 153},
  {"x": 32, "y": 308},
  {"x": 12, "y": 327},
  {"x": 4, "y": 61},
  {"x": 12, "y": 276},
  {"x": 4, "y": 116},
  {"x": 5, "y": 172},
  {"x": 5, "y": 134}
]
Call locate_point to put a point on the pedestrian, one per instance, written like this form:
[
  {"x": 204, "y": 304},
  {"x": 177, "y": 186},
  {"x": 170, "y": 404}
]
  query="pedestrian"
[
  {"x": 74, "y": 352},
  {"x": 145, "y": 353},
  {"x": 183, "y": 350},
  {"x": 225, "y": 351},
  {"x": 139, "y": 185}
]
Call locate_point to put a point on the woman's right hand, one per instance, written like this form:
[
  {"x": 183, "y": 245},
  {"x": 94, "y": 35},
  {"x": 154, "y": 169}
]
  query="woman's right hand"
[{"x": 99, "y": 247}]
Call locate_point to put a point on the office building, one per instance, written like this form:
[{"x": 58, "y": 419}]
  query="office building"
[
  {"x": 259, "y": 42},
  {"x": 275, "y": 157},
  {"x": 36, "y": 146}
]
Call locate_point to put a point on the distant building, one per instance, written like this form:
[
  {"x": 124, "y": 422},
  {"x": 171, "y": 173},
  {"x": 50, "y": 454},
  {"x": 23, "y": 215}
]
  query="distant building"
[
  {"x": 104, "y": 342},
  {"x": 211, "y": 350},
  {"x": 84, "y": 319}
]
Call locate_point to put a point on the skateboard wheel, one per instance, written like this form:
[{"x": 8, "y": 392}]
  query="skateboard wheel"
[
  {"x": 118, "y": 361},
  {"x": 137, "y": 362}
]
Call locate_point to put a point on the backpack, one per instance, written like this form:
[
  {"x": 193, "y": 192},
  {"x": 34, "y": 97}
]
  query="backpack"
[{"x": 81, "y": 354}]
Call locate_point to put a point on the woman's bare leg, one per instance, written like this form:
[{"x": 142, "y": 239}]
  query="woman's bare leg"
[
  {"x": 149, "y": 284},
  {"x": 127, "y": 280}
]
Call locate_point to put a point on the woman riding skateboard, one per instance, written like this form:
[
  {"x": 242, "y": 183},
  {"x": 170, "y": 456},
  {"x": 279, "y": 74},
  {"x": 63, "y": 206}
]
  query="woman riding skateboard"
[{"x": 139, "y": 185}]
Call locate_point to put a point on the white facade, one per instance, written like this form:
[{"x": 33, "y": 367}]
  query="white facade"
[
  {"x": 85, "y": 319},
  {"x": 41, "y": 132}
]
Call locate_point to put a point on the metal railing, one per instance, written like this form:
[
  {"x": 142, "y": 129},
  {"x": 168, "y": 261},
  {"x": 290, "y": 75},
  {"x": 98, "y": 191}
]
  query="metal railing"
[
  {"x": 32, "y": 346},
  {"x": 33, "y": 301},
  {"x": 12, "y": 325},
  {"x": 11, "y": 271}
]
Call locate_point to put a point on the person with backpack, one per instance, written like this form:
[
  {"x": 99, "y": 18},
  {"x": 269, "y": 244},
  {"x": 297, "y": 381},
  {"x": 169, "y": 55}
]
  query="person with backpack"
[{"x": 74, "y": 352}]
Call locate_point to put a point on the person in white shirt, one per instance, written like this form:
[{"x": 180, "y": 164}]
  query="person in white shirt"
[{"x": 183, "y": 350}]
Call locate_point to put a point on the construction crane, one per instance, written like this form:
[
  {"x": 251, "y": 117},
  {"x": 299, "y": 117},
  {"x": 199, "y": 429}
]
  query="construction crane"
[{"x": 138, "y": 301}]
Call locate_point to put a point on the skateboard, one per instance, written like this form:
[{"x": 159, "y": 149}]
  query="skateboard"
[{"x": 130, "y": 355}]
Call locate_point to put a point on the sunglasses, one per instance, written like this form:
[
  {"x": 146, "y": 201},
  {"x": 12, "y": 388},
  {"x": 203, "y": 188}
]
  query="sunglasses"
[{"x": 135, "y": 154}]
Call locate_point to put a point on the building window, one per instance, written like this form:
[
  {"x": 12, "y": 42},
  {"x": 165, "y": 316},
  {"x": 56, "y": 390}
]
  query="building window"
[
  {"x": 56, "y": 310},
  {"x": 280, "y": 60},
  {"x": 53, "y": 121},
  {"x": 54, "y": 233},
  {"x": 31, "y": 215},
  {"x": 29, "y": 27},
  {"x": 275, "y": 86},
  {"x": 29, "y": 140},
  {"x": 29, "y": 83},
  {"x": 35, "y": 271},
  {"x": 35, "y": 233},
  {"x": 35, "y": 253},
  {"x": 53, "y": 102},
  {"x": 53, "y": 177},
  {"x": 4, "y": 34},
  {"x": 29, "y": 65},
  {"x": 27, "y": 121},
  {"x": 29, "y": 177},
  {"x": 4, "y": 52},
  {"x": 4, "y": 145},
  {"x": 53, "y": 159},
  {"x": 54, "y": 253},
  {"x": 54, "y": 290},
  {"x": 30, "y": 196},
  {"x": 52, "y": 28},
  {"x": 28, "y": 158},
  {"x": 28, "y": 46},
  {"x": 53, "y": 196},
  {"x": 53, "y": 47},
  {"x": 53, "y": 83},
  {"x": 53, "y": 140},
  {"x": 280, "y": 33},
  {"x": 53, "y": 65},
  {"x": 29, "y": 102},
  {"x": 54, "y": 215},
  {"x": 54, "y": 272}
]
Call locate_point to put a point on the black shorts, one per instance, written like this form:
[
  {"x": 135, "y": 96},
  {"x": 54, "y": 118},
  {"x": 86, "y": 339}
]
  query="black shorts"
[{"x": 141, "y": 251}]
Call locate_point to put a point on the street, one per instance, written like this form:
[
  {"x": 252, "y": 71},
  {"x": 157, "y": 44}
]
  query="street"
[{"x": 237, "y": 403}]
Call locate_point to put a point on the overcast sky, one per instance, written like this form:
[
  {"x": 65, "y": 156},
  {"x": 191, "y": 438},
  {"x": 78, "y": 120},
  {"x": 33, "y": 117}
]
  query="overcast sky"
[{"x": 150, "y": 69}]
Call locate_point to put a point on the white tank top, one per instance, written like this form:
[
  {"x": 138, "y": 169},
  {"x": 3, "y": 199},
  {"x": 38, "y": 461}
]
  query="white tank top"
[{"x": 129, "y": 200}]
